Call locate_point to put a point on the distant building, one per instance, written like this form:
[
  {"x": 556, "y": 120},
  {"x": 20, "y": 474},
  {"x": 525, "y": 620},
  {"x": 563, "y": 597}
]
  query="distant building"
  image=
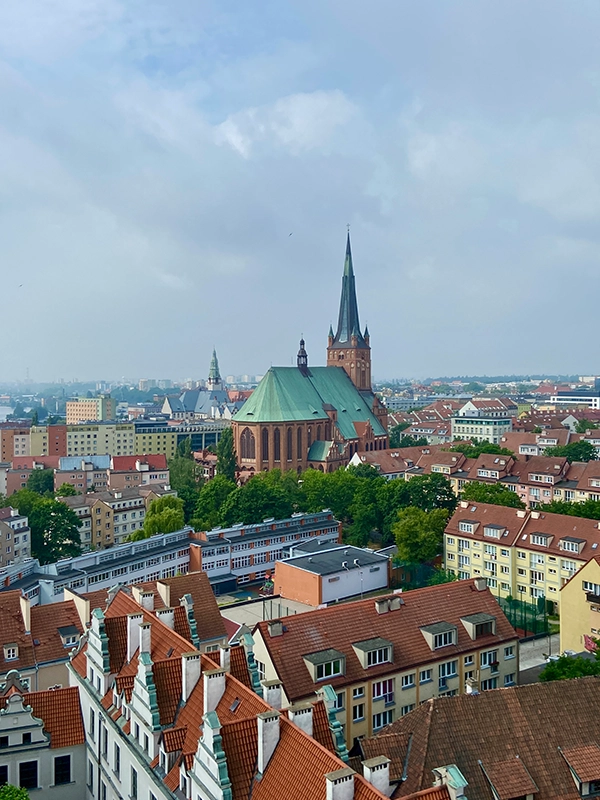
[
  {"x": 580, "y": 608},
  {"x": 301, "y": 417},
  {"x": 15, "y": 537},
  {"x": 210, "y": 402},
  {"x": 91, "y": 409},
  {"x": 484, "y": 419}
]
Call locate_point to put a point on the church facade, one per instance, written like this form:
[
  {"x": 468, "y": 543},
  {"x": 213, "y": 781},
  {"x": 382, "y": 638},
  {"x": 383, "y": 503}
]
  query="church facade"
[{"x": 316, "y": 417}]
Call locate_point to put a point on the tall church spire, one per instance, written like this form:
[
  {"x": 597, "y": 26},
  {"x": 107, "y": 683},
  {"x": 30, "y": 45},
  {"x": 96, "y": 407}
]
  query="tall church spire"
[
  {"x": 349, "y": 348},
  {"x": 214, "y": 377},
  {"x": 348, "y": 322}
]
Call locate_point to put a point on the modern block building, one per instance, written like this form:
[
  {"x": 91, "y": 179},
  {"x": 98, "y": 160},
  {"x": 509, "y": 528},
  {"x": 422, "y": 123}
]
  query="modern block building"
[
  {"x": 384, "y": 657},
  {"x": 15, "y": 537},
  {"x": 580, "y": 609},
  {"x": 89, "y": 409}
]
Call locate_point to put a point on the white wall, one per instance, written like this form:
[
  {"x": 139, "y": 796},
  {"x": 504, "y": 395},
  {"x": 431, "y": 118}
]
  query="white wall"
[{"x": 349, "y": 583}]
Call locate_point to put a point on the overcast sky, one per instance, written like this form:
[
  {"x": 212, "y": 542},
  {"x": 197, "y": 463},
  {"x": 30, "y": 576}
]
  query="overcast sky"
[{"x": 156, "y": 155}]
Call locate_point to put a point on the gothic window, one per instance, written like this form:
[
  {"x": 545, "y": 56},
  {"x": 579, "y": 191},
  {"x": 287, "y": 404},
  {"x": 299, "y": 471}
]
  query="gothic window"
[
  {"x": 309, "y": 437},
  {"x": 265, "y": 444},
  {"x": 248, "y": 444},
  {"x": 289, "y": 444},
  {"x": 319, "y": 433},
  {"x": 277, "y": 444},
  {"x": 299, "y": 442}
]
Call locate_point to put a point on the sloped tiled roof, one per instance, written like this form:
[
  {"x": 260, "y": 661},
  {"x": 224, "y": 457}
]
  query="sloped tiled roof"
[
  {"x": 61, "y": 713},
  {"x": 240, "y": 743},
  {"x": 321, "y": 729},
  {"x": 12, "y": 631},
  {"x": 167, "y": 679},
  {"x": 531, "y": 721},
  {"x": 45, "y": 622},
  {"x": 340, "y": 626}
]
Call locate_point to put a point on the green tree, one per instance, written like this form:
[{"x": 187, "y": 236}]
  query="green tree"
[
  {"x": 440, "y": 575},
  {"x": 584, "y": 425},
  {"x": 590, "y": 509},
  {"x": 211, "y": 499},
  {"x": 256, "y": 501},
  {"x": 184, "y": 476},
  {"x": 54, "y": 531},
  {"x": 24, "y": 500},
  {"x": 334, "y": 490},
  {"x": 10, "y": 792},
  {"x": 491, "y": 493},
  {"x": 364, "y": 471},
  {"x": 420, "y": 534},
  {"x": 226, "y": 457},
  {"x": 429, "y": 492},
  {"x": 66, "y": 490},
  {"x": 396, "y": 433},
  {"x": 473, "y": 387},
  {"x": 412, "y": 441},
  {"x": 576, "y": 451},
  {"x": 567, "y": 667},
  {"x": 41, "y": 481},
  {"x": 164, "y": 515},
  {"x": 365, "y": 512},
  {"x": 476, "y": 450}
]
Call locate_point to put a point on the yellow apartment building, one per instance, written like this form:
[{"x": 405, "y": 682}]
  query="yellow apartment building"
[
  {"x": 89, "y": 409},
  {"x": 522, "y": 554},
  {"x": 580, "y": 609}
]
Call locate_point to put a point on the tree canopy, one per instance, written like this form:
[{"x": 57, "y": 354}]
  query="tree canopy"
[
  {"x": 584, "y": 425},
  {"x": 54, "y": 531},
  {"x": 66, "y": 490},
  {"x": 185, "y": 479},
  {"x": 41, "y": 481},
  {"x": 566, "y": 667},
  {"x": 493, "y": 493},
  {"x": 589, "y": 508},
  {"x": 412, "y": 441},
  {"x": 396, "y": 433},
  {"x": 476, "y": 450},
  {"x": 575, "y": 451},
  {"x": 164, "y": 515},
  {"x": 226, "y": 457},
  {"x": 420, "y": 534},
  {"x": 10, "y": 792}
]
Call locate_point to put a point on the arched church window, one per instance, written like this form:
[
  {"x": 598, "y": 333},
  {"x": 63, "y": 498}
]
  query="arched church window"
[
  {"x": 277, "y": 444},
  {"x": 265, "y": 444},
  {"x": 248, "y": 444},
  {"x": 309, "y": 437},
  {"x": 299, "y": 443},
  {"x": 319, "y": 431},
  {"x": 289, "y": 444}
]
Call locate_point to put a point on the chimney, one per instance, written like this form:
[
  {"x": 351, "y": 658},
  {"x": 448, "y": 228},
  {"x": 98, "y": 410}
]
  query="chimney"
[
  {"x": 225, "y": 657},
  {"x": 396, "y": 602},
  {"x": 133, "y": 633},
  {"x": 382, "y": 606},
  {"x": 191, "y": 669},
  {"x": 268, "y": 737},
  {"x": 26, "y": 613},
  {"x": 147, "y": 600},
  {"x": 377, "y": 772},
  {"x": 166, "y": 615},
  {"x": 214, "y": 687},
  {"x": 521, "y": 513},
  {"x": 272, "y": 693},
  {"x": 275, "y": 627},
  {"x": 464, "y": 504},
  {"x": 145, "y": 638},
  {"x": 164, "y": 591},
  {"x": 480, "y": 584},
  {"x": 301, "y": 714},
  {"x": 340, "y": 784},
  {"x": 535, "y": 515},
  {"x": 471, "y": 686}
]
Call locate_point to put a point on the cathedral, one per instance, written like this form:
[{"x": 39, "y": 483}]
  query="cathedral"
[{"x": 316, "y": 417}]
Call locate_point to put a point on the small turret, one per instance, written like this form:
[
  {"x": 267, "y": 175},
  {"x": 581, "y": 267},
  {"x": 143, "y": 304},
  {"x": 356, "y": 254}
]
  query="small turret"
[
  {"x": 330, "y": 336},
  {"x": 302, "y": 359}
]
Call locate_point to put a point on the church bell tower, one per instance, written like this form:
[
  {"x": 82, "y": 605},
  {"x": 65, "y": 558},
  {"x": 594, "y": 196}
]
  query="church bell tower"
[{"x": 349, "y": 348}]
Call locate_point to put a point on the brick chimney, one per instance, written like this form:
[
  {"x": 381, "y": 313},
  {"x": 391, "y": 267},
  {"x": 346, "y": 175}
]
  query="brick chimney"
[
  {"x": 214, "y": 688},
  {"x": 301, "y": 714},
  {"x": 133, "y": 633},
  {"x": 191, "y": 669},
  {"x": 377, "y": 772},
  {"x": 268, "y": 737},
  {"x": 145, "y": 638},
  {"x": 340, "y": 784}
]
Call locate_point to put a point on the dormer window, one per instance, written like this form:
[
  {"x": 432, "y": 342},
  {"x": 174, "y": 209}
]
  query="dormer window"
[
  {"x": 372, "y": 652},
  {"x": 478, "y": 625},
  {"x": 466, "y": 527},
  {"x": 11, "y": 652},
  {"x": 583, "y": 763},
  {"x": 325, "y": 664},
  {"x": 69, "y": 635},
  {"x": 539, "y": 538},
  {"x": 571, "y": 544},
  {"x": 440, "y": 634},
  {"x": 494, "y": 531}
]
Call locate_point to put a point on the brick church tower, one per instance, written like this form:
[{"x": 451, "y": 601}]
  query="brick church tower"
[{"x": 349, "y": 348}]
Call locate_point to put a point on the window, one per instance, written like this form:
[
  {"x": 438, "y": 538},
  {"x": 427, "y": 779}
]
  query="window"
[
  {"x": 490, "y": 683},
  {"x": 425, "y": 675},
  {"x": 62, "y": 770},
  {"x": 384, "y": 690},
  {"x": 277, "y": 444},
  {"x": 465, "y": 527},
  {"x": 289, "y": 444},
  {"x": 117, "y": 760},
  {"x": 382, "y": 719},
  {"x": 489, "y": 658},
  {"x": 265, "y": 444},
  {"x": 509, "y": 652},
  {"x": 407, "y": 709},
  {"x": 28, "y": 774},
  {"x": 443, "y": 639},
  {"x": 3, "y": 742},
  {"x": 92, "y": 729},
  {"x": 358, "y": 712},
  {"x": 448, "y": 669},
  {"x": 329, "y": 669},
  {"x": 11, "y": 652},
  {"x": 105, "y": 743},
  {"x": 359, "y": 692},
  {"x": 408, "y": 681},
  {"x": 509, "y": 680},
  {"x": 3, "y": 774},
  {"x": 102, "y": 790},
  {"x": 26, "y": 738},
  {"x": 134, "y": 784},
  {"x": 299, "y": 443},
  {"x": 340, "y": 699},
  {"x": 90, "y": 781},
  {"x": 379, "y": 656}
]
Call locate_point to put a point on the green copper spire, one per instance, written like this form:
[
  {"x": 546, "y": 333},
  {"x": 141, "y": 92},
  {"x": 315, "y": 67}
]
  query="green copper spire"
[
  {"x": 348, "y": 322},
  {"x": 213, "y": 373}
]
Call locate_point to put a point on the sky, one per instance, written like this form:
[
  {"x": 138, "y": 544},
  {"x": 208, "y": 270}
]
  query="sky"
[{"x": 178, "y": 174}]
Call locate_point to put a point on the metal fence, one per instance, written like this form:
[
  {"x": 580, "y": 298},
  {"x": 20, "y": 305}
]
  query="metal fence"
[{"x": 528, "y": 619}]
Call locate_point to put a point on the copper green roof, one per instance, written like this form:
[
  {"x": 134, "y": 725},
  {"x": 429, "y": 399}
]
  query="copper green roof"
[
  {"x": 213, "y": 372},
  {"x": 348, "y": 322},
  {"x": 286, "y": 395},
  {"x": 319, "y": 451}
]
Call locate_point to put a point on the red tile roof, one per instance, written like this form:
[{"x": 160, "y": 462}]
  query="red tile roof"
[
  {"x": 12, "y": 631},
  {"x": 61, "y": 713},
  {"x": 156, "y": 461},
  {"x": 338, "y": 627},
  {"x": 45, "y": 622}
]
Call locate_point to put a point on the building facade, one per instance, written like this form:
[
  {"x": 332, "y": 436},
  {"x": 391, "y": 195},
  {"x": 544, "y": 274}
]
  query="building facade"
[
  {"x": 580, "y": 609},
  {"x": 15, "y": 537},
  {"x": 91, "y": 409}
]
